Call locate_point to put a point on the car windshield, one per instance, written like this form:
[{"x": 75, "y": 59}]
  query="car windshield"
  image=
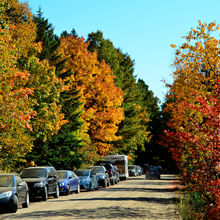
[
  {"x": 33, "y": 173},
  {"x": 62, "y": 175},
  {"x": 6, "y": 181},
  {"x": 98, "y": 169},
  {"x": 82, "y": 172}
]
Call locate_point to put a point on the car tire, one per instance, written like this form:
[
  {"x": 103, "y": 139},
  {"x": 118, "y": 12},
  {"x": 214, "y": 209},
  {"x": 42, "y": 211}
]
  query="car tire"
[
  {"x": 57, "y": 193},
  {"x": 105, "y": 184},
  {"x": 90, "y": 187},
  {"x": 67, "y": 190},
  {"x": 78, "y": 189},
  {"x": 14, "y": 205},
  {"x": 45, "y": 194},
  {"x": 113, "y": 181},
  {"x": 27, "y": 201}
]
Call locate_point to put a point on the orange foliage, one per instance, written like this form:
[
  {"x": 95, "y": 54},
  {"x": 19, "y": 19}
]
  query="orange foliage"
[{"x": 102, "y": 99}]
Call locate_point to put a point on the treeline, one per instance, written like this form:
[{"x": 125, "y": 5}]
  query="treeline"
[
  {"x": 66, "y": 101},
  {"x": 193, "y": 112}
]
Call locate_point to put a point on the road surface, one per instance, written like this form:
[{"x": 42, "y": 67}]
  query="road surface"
[{"x": 135, "y": 198}]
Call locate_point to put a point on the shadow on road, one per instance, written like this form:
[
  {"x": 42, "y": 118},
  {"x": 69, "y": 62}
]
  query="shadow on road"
[
  {"x": 165, "y": 201},
  {"x": 143, "y": 189},
  {"x": 102, "y": 212}
]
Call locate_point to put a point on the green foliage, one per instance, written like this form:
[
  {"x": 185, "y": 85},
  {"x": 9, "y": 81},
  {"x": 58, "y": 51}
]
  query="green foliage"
[{"x": 132, "y": 129}]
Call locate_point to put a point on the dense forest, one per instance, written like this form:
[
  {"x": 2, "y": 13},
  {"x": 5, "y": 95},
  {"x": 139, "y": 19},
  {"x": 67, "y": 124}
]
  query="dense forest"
[{"x": 67, "y": 101}]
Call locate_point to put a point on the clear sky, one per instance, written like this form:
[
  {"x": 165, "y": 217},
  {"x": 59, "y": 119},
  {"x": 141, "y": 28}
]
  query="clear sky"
[{"x": 144, "y": 29}]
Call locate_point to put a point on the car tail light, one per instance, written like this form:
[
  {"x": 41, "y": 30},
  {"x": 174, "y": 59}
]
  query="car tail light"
[{"x": 110, "y": 172}]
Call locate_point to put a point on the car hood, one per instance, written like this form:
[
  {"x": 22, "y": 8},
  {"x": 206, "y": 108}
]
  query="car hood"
[
  {"x": 62, "y": 180},
  {"x": 5, "y": 189},
  {"x": 33, "y": 180}
]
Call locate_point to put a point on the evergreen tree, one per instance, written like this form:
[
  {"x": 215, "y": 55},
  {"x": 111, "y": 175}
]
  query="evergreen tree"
[
  {"x": 62, "y": 151},
  {"x": 50, "y": 44},
  {"x": 133, "y": 132}
]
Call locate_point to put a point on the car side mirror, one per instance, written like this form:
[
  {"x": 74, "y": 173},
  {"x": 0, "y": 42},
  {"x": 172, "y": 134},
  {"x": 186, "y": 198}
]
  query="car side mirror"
[{"x": 70, "y": 177}]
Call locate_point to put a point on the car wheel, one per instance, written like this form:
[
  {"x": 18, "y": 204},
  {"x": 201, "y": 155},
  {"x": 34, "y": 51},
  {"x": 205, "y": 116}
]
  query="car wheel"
[
  {"x": 45, "y": 194},
  {"x": 14, "y": 205},
  {"x": 90, "y": 187},
  {"x": 105, "y": 184},
  {"x": 78, "y": 189},
  {"x": 67, "y": 190},
  {"x": 113, "y": 181},
  {"x": 57, "y": 193},
  {"x": 27, "y": 201}
]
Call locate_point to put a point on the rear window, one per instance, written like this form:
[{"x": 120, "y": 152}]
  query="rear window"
[
  {"x": 33, "y": 173},
  {"x": 6, "y": 181},
  {"x": 62, "y": 175},
  {"x": 82, "y": 173}
]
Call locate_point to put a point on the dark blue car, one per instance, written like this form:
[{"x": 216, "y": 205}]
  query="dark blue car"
[
  {"x": 88, "y": 179},
  {"x": 68, "y": 181},
  {"x": 13, "y": 192}
]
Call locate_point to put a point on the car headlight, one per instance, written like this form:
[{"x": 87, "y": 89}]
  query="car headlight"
[
  {"x": 39, "y": 184},
  {"x": 62, "y": 184},
  {"x": 5, "y": 194}
]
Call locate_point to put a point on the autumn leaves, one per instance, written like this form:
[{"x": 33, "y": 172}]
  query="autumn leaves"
[{"x": 194, "y": 107}]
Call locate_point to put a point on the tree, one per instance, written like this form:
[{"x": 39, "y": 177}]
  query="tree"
[
  {"x": 132, "y": 129},
  {"x": 100, "y": 97},
  {"x": 15, "y": 104},
  {"x": 193, "y": 134}
]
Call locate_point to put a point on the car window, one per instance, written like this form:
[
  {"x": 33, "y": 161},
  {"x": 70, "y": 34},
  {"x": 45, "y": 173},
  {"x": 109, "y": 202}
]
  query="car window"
[
  {"x": 82, "y": 172},
  {"x": 62, "y": 175},
  {"x": 33, "y": 173},
  {"x": 52, "y": 172},
  {"x": 6, "y": 181},
  {"x": 98, "y": 169},
  {"x": 73, "y": 174}
]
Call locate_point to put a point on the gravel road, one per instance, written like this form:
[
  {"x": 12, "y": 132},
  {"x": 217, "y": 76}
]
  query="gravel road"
[{"x": 135, "y": 198}]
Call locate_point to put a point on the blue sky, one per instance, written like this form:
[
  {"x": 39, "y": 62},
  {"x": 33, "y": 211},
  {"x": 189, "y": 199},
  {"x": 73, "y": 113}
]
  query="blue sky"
[{"x": 144, "y": 29}]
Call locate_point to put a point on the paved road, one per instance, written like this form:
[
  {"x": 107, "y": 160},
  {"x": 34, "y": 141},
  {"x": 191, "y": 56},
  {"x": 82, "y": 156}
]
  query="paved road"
[{"x": 136, "y": 198}]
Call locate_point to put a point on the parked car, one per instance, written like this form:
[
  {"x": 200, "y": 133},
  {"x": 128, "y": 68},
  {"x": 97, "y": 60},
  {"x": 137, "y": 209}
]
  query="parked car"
[
  {"x": 153, "y": 172},
  {"x": 111, "y": 172},
  {"x": 102, "y": 173},
  {"x": 42, "y": 181},
  {"x": 117, "y": 174},
  {"x": 139, "y": 170},
  {"x": 13, "y": 192},
  {"x": 69, "y": 182},
  {"x": 88, "y": 179},
  {"x": 132, "y": 170}
]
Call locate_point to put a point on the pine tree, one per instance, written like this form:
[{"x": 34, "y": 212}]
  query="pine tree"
[{"x": 134, "y": 133}]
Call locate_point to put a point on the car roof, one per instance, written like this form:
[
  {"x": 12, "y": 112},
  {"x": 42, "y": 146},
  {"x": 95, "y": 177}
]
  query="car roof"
[
  {"x": 64, "y": 171},
  {"x": 44, "y": 167},
  {"x": 8, "y": 174}
]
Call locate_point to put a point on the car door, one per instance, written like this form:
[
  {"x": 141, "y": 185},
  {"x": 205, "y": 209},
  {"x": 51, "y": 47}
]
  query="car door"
[
  {"x": 70, "y": 180},
  {"x": 74, "y": 181},
  {"x": 93, "y": 178},
  {"x": 21, "y": 189},
  {"x": 50, "y": 181}
]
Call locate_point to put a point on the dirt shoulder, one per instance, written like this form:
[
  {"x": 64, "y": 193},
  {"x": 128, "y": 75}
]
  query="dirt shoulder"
[{"x": 136, "y": 198}]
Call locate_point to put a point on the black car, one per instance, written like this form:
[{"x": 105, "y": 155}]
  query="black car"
[
  {"x": 102, "y": 174},
  {"x": 13, "y": 192},
  {"x": 111, "y": 172},
  {"x": 42, "y": 181}
]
